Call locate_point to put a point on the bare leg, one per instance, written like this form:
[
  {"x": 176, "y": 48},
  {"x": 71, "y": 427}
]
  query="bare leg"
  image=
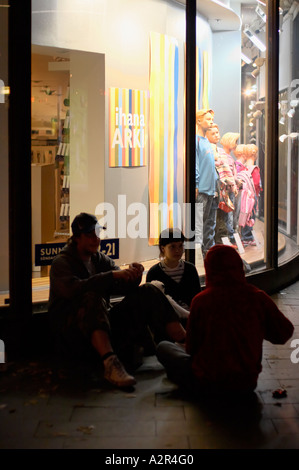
[{"x": 101, "y": 342}]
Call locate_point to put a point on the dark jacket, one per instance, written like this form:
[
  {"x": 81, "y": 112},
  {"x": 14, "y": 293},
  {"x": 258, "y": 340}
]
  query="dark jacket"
[
  {"x": 181, "y": 292},
  {"x": 70, "y": 280},
  {"x": 228, "y": 323}
]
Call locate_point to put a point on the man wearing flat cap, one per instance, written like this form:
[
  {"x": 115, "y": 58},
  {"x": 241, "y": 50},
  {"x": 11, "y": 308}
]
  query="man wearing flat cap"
[
  {"x": 82, "y": 279},
  {"x": 205, "y": 182}
]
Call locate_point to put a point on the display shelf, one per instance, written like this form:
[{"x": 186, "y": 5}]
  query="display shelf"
[{"x": 62, "y": 179}]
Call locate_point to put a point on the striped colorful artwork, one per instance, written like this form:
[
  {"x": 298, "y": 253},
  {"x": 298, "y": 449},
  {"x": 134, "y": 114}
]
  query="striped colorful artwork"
[
  {"x": 198, "y": 79},
  {"x": 128, "y": 127},
  {"x": 163, "y": 193},
  {"x": 205, "y": 87}
]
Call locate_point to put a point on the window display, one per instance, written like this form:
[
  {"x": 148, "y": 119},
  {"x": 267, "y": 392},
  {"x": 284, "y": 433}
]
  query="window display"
[{"x": 124, "y": 98}]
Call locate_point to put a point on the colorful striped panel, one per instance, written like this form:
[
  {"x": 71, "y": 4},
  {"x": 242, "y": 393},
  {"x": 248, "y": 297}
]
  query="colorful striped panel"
[
  {"x": 198, "y": 79},
  {"x": 163, "y": 196},
  {"x": 205, "y": 93},
  {"x": 128, "y": 129}
]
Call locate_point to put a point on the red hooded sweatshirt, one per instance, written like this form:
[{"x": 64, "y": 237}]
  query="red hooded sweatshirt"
[{"x": 227, "y": 324}]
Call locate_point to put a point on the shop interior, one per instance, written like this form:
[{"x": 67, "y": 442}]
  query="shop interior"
[{"x": 58, "y": 154}]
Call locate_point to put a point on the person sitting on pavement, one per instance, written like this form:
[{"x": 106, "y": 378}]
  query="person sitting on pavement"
[
  {"x": 180, "y": 278},
  {"x": 82, "y": 281},
  {"x": 228, "y": 322}
]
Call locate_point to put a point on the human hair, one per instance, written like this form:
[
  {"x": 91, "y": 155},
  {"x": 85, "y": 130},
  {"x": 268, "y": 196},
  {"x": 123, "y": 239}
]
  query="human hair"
[
  {"x": 240, "y": 150},
  {"x": 213, "y": 126},
  {"x": 229, "y": 139},
  {"x": 202, "y": 112},
  {"x": 170, "y": 235},
  {"x": 251, "y": 150}
]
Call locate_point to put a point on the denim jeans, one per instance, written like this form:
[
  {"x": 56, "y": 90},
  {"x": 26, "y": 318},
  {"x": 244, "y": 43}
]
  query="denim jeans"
[
  {"x": 225, "y": 223},
  {"x": 177, "y": 364},
  {"x": 205, "y": 225}
]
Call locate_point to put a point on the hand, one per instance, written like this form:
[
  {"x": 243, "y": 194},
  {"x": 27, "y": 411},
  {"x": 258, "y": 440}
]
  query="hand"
[
  {"x": 132, "y": 273},
  {"x": 137, "y": 266}
]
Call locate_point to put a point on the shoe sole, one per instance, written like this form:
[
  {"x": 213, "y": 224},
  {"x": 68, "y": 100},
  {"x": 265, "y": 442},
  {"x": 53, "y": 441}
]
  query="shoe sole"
[{"x": 129, "y": 383}]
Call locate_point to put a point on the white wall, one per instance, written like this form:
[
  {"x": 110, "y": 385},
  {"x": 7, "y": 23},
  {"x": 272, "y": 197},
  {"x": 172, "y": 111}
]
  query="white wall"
[
  {"x": 285, "y": 55},
  {"x": 226, "y": 80},
  {"x": 87, "y": 131},
  {"x": 123, "y": 39}
]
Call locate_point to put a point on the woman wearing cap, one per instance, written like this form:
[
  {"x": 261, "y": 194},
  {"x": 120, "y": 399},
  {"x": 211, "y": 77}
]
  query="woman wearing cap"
[{"x": 179, "y": 278}]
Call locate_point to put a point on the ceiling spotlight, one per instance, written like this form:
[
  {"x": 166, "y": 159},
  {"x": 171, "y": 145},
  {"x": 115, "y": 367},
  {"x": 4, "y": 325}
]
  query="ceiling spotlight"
[
  {"x": 261, "y": 13},
  {"x": 291, "y": 112},
  {"x": 260, "y": 105},
  {"x": 293, "y": 135},
  {"x": 255, "y": 72},
  {"x": 257, "y": 114},
  {"x": 253, "y": 38},
  {"x": 245, "y": 58},
  {"x": 282, "y": 120},
  {"x": 283, "y": 137},
  {"x": 259, "y": 61},
  {"x": 294, "y": 103}
]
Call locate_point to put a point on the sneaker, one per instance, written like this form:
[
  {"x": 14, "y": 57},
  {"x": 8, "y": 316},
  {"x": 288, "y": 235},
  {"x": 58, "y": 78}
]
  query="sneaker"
[
  {"x": 116, "y": 374},
  {"x": 249, "y": 243}
]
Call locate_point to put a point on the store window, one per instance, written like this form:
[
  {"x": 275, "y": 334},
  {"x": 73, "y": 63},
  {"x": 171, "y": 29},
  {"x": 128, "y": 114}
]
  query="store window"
[
  {"x": 288, "y": 128},
  {"x": 4, "y": 91},
  {"x": 253, "y": 134},
  {"x": 108, "y": 124}
]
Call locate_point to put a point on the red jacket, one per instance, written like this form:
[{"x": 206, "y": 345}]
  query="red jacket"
[{"x": 227, "y": 325}]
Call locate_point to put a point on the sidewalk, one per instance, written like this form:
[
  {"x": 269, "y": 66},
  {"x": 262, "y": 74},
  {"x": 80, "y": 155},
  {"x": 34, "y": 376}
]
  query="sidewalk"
[{"x": 48, "y": 406}]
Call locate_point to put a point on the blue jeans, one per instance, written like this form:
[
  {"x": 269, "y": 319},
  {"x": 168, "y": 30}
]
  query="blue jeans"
[
  {"x": 205, "y": 229},
  {"x": 177, "y": 364}
]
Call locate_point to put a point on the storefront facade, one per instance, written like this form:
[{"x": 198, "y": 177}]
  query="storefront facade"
[{"x": 105, "y": 105}]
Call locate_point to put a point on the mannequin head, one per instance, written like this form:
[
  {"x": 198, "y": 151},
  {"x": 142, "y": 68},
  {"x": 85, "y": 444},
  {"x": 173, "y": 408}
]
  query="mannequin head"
[
  {"x": 213, "y": 134},
  {"x": 204, "y": 120},
  {"x": 251, "y": 153},
  {"x": 229, "y": 141},
  {"x": 240, "y": 153}
]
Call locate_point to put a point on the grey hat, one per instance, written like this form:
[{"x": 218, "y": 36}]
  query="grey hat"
[{"x": 85, "y": 223}]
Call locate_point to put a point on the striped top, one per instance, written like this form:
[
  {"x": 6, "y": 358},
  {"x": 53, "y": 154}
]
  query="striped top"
[{"x": 176, "y": 273}]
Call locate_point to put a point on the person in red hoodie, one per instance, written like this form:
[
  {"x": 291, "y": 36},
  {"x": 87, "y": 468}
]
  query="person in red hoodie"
[{"x": 228, "y": 322}]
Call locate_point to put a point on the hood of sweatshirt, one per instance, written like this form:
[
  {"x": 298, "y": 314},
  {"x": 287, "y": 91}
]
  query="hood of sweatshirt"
[{"x": 223, "y": 265}]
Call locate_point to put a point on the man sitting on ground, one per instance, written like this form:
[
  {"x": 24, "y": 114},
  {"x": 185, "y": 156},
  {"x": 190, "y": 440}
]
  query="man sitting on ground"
[{"x": 82, "y": 279}]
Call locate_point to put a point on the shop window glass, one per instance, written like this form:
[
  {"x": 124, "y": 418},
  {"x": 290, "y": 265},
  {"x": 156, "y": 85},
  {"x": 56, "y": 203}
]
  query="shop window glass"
[
  {"x": 253, "y": 136},
  {"x": 108, "y": 121},
  {"x": 288, "y": 101},
  {"x": 4, "y": 90}
]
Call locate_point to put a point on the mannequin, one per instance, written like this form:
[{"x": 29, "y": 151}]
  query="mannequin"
[
  {"x": 228, "y": 177},
  {"x": 251, "y": 155},
  {"x": 205, "y": 183},
  {"x": 240, "y": 166}
]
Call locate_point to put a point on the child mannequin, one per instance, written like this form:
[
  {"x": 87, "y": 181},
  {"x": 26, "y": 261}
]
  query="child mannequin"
[
  {"x": 179, "y": 277},
  {"x": 227, "y": 175},
  {"x": 251, "y": 154},
  {"x": 240, "y": 166}
]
